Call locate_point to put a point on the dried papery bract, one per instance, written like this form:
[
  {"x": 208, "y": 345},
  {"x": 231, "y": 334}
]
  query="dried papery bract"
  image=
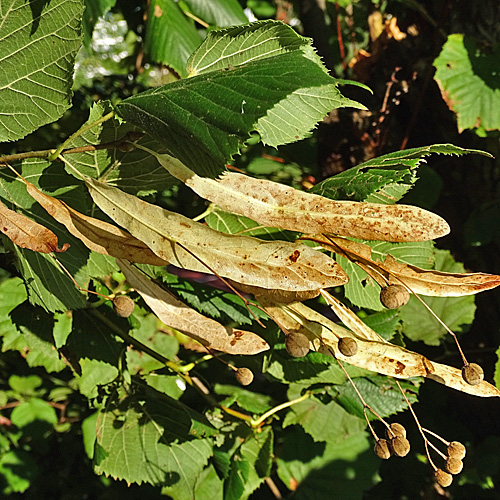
[
  {"x": 277, "y": 205},
  {"x": 176, "y": 314}
]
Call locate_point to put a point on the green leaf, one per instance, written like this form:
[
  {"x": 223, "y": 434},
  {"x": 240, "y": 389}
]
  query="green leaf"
[
  {"x": 384, "y": 179},
  {"x": 250, "y": 465},
  {"x": 348, "y": 466},
  {"x": 146, "y": 331},
  {"x": 383, "y": 322},
  {"x": 94, "y": 352},
  {"x": 63, "y": 324},
  {"x": 25, "y": 386},
  {"x": 171, "y": 37},
  {"x": 146, "y": 437},
  {"x": 32, "y": 337},
  {"x": 312, "y": 369},
  {"x": 31, "y": 411},
  {"x": 232, "y": 224},
  {"x": 218, "y": 12},
  {"x": 380, "y": 392},
  {"x": 419, "y": 325},
  {"x": 18, "y": 469},
  {"x": 252, "y": 402},
  {"x": 362, "y": 290},
  {"x": 132, "y": 170},
  {"x": 316, "y": 418},
  {"x": 39, "y": 44},
  {"x": 204, "y": 120},
  {"x": 89, "y": 434},
  {"x": 469, "y": 82},
  {"x": 12, "y": 294},
  {"x": 209, "y": 486}
]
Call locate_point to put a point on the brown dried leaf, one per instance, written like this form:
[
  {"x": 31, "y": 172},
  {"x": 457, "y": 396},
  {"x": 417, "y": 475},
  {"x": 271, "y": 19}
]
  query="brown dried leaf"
[
  {"x": 175, "y": 314},
  {"x": 273, "y": 204},
  {"x": 190, "y": 245},
  {"x": 95, "y": 234},
  {"x": 26, "y": 233},
  {"x": 420, "y": 281},
  {"x": 376, "y": 355}
]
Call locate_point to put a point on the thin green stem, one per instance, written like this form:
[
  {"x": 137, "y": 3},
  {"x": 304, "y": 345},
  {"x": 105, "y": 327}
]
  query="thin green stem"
[
  {"x": 257, "y": 422},
  {"x": 85, "y": 128}
]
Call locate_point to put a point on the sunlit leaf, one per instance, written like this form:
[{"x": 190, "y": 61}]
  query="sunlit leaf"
[
  {"x": 469, "y": 84},
  {"x": 40, "y": 41}
]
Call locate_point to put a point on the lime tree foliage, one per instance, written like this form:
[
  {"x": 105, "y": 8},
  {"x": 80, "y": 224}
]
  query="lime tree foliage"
[{"x": 259, "y": 346}]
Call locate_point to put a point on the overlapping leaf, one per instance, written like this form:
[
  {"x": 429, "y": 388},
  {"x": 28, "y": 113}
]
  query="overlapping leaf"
[
  {"x": 174, "y": 313},
  {"x": 218, "y": 12},
  {"x": 132, "y": 170},
  {"x": 469, "y": 84},
  {"x": 278, "y": 87},
  {"x": 40, "y": 41},
  {"x": 273, "y": 204},
  {"x": 190, "y": 245},
  {"x": 384, "y": 179},
  {"x": 149, "y": 440},
  {"x": 26, "y": 233},
  {"x": 171, "y": 37}
]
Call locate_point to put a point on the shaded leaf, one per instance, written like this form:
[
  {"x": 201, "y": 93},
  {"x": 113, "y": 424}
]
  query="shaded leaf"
[
  {"x": 204, "y": 120},
  {"x": 177, "y": 239},
  {"x": 32, "y": 337},
  {"x": 188, "y": 321},
  {"x": 454, "y": 310},
  {"x": 171, "y": 37},
  {"x": 384, "y": 179},
  {"x": 315, "y": 470},
  {"x": 40, "y": 41},
  {"x": 468, "y": 84},
  {"x": 250, "y": 465},
  {"x": 146, "y": 437},
  {"x": 218, "y": 12},
  {"x": 26, "y": 233},
  {"x": 272, "y": 204},
  {"x": 316, "y": 418},
  {"x": 130, "y": 169},
  {"x": 380, "y": 392}
]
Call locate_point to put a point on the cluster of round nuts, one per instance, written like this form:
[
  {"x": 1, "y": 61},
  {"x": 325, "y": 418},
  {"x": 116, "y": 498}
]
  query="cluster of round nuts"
[
  {"x": 395, "y": 444},
  {"x": 453, "y": 464}
]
